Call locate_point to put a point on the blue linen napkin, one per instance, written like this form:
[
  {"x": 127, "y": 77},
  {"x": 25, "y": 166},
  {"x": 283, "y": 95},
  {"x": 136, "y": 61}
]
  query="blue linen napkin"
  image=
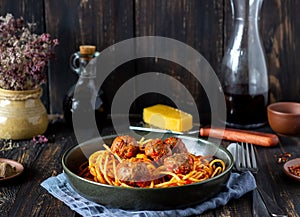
[{"x": 58, "y": 186}]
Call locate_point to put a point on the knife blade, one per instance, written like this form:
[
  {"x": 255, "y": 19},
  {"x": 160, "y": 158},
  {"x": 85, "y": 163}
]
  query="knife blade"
[
  {"x": 259, "y": 209},
  {"x": 158, "y": 130},
  {"x": 271, "y": 205}
]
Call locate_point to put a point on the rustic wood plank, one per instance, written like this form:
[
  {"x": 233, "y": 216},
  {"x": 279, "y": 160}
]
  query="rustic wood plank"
[
  {"x": 202, "y": 24},
  {"x": 280, "y": 29},
  {"x": 40, "y": 161},
  {"x": 288, "y": 144},
  {"x": 232, "y": 209},
  {"x": 30, "y": 10},
  {"x": 43, "y": 160},
  {"x": 101, "y": 23},
  {"x": 196, "y": 23}
]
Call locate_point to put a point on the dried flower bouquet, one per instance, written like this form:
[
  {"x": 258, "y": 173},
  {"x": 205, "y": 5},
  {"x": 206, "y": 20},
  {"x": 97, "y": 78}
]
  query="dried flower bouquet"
[{"x": 23, "y": 54}]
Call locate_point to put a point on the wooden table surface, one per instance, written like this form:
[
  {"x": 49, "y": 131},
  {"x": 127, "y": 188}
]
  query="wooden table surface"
[{"x": 24, "y": 196}]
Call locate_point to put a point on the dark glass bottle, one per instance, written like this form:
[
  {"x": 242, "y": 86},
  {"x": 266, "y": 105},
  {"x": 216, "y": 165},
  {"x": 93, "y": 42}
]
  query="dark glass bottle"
[
  {"x": 244, "y": 75},
  {"x": 89, "y": 98}
]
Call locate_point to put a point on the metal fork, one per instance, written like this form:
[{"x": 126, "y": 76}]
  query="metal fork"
[{"x": 245, "y": 160}]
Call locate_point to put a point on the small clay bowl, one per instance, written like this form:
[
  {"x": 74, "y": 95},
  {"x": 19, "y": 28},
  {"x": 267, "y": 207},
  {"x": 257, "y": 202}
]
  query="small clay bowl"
[
  {"x": 288, "y": 164},
  {"x": 284, "y": 118}
]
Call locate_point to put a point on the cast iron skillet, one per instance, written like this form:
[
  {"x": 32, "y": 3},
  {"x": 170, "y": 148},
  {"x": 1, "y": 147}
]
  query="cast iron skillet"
[{"x": 145, "y": 198}]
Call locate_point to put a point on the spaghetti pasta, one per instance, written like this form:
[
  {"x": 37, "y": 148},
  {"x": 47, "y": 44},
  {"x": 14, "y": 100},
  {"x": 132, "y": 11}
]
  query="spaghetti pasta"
[{"x": 141, "y": 170}]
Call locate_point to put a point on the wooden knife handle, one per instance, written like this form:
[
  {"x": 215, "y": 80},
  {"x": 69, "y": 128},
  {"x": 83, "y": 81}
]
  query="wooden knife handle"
[{"x": 256, "y": 138}]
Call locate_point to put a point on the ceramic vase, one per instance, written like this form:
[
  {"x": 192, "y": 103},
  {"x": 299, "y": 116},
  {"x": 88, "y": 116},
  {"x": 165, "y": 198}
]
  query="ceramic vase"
[{"x": 22, "y": 114}]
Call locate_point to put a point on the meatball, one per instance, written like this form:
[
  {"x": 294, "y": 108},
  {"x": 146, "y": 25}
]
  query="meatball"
[
  {"x": 125, "y": 146},
  {"x": 133, "y": 173},
  {"x": 179, "y": 163},
  {"x": 176, "y": 145},
  {"x": 157, "y": 149}
]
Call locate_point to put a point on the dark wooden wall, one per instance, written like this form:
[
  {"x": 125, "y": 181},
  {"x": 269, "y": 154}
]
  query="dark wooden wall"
[{"x": 202, "y": 24}]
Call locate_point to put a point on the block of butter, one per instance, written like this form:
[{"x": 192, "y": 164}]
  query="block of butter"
[{"x": 169, "y": 118}]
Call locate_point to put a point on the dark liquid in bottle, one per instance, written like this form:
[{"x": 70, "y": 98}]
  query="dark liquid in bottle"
[
  {"x": 246, "y": 111},
  {"x": 69, "y": 109}
]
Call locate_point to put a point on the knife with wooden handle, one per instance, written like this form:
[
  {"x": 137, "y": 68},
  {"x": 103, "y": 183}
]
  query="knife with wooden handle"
[{"x": 256, "y": 138}]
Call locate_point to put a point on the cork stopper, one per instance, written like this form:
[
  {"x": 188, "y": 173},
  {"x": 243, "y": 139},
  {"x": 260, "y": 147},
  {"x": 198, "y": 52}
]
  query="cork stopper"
[{"x": 87, "y": 51}]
